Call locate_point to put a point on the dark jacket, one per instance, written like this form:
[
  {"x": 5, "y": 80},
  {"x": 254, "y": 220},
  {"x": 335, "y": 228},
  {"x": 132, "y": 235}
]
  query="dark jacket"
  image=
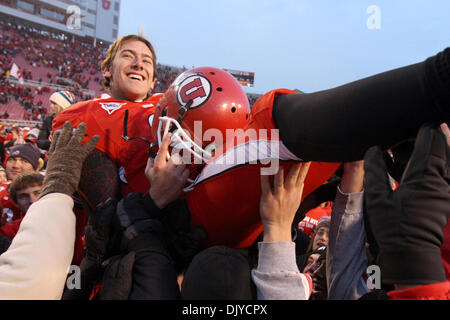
[{"x": 44, "y": 133}]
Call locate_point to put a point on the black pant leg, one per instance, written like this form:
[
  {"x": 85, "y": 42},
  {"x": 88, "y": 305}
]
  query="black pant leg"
[{"x": 340, "y": 124}]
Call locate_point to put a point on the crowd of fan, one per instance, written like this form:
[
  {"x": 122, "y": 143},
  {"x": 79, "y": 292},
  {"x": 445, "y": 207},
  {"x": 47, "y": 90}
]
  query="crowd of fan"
[
  {"x": 138, "y": 248},
  {"x": 72, "y": 64}
]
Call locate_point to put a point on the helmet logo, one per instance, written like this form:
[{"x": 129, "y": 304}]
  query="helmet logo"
[{"x": 196, "y": 88}]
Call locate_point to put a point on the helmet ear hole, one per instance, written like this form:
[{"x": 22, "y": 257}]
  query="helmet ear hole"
[
  {"x": 233, "y": 110},
  {"x": 219, "y": 89}
]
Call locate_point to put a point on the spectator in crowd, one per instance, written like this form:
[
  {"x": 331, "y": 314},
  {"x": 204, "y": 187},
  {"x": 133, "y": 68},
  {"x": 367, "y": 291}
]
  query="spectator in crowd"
[
  {"x": 25, "y": 191},
  {"x": 59, "y": 101},
  {"x": 406, "y": 227},
  {"x": 3, "y": 177},
  {"x": 23, "y": 158},
  {"x": 312, "y": 217},
  {"x": 319, "y": 239},
  {"x": 315, "y": 267},
  {"x": 347, "y": 261},
  {"x": 49, "y": 222},
  {"x": 31, "y": 136},
  {"x": 277, "y": 269}
]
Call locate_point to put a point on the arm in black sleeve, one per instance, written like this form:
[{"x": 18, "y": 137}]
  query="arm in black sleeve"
[
  {"x": 99, "y": 179},
  {"x": 407, "y": 223},
  {"x": 153, "y": 272},
  {"x": 340, "y": 124},
  {"x": 44, "y": 132}
]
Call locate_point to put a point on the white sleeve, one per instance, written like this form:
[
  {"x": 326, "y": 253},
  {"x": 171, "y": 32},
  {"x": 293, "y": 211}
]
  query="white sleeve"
[
  {"x": 36, "y": 264},
  {"x": 277, "y": 276}
]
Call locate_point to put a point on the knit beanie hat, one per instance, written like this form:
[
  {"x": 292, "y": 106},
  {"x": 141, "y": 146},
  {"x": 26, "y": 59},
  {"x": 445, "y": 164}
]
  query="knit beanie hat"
[
  {"x": 324, "y": 222},
  {"x": 28, "y": 152},
  {"x": 64, "y": 99},
  {"x": 32, "y": 135}
]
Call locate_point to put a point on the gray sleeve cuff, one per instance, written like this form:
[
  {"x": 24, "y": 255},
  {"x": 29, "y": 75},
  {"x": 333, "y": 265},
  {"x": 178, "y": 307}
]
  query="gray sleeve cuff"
[{"x": 277, "y": 256}]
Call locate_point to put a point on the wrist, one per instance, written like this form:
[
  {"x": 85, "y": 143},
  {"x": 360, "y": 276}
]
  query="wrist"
[
  {"x": 160, "y": 203},
  {"x": 277, "y": 233}
]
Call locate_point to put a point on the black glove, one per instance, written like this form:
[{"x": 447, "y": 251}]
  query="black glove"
[
  {"x": 407, "y": 223},
  {"x": 118, "y": 278},
  {"x": 135, "y": 214},
  {"x": 400, "y": 156},
  {"x": 98, "y": 230},
  {"x": 184, "y": 243}
]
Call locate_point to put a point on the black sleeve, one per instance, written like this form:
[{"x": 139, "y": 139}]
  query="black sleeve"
[
  {"x": 99, "y": 179},
  {"x": 340, "y": 124},
  {"x": 154, "y": 275},
  {"x": 44, "y": 133}
]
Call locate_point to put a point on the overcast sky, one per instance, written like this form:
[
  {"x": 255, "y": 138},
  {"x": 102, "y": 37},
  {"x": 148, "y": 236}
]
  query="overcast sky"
[{"x": 310, "y": 45}]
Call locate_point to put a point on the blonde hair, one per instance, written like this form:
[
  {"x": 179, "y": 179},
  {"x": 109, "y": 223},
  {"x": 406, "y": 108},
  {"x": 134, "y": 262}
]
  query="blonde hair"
[{"x": 114, "y": 48}]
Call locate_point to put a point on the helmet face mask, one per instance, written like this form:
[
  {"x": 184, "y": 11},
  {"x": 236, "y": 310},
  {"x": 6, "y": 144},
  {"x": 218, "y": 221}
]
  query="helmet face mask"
[{"x": 198, "y": 109}]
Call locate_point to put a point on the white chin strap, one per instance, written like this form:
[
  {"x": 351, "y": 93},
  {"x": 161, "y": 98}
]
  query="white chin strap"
[{"x": 181, "y": 140}]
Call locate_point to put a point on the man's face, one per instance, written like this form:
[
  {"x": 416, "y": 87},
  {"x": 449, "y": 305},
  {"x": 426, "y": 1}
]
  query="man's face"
[
  {"x": 54, "y": 108},
  {"x": 316, "y": 269},
  {"x": 320, "y": 238},
  {"x": 28, "y": 196},
  {"x": 131, "y": 72},
  {"x": 16, "y": 166}
]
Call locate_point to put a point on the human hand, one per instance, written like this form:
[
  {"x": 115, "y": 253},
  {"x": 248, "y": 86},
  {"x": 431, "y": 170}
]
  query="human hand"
[
  {"x": 445, "y": 129},
  {"x": 66, "y": 157},
  {"x": 278, "y": 204},
  {"x": 167, "y": 177},
  {"x": 407, "y": 223}
]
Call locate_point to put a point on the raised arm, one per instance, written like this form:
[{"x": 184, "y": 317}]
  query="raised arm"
[{"x": 346, "y": 255}]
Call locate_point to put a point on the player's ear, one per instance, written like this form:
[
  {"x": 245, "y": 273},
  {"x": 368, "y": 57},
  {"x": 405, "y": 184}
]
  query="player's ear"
[
  {"x": 153, "y": 83},
  {"x": 106, "y": 73}
]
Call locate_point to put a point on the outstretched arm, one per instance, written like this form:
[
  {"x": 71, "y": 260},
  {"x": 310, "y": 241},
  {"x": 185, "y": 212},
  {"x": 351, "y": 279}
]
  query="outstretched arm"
[
  {"x": 340, "y": 124},
  {"x": 277, "y": 276},
  {"x": 346, "y": 255}
]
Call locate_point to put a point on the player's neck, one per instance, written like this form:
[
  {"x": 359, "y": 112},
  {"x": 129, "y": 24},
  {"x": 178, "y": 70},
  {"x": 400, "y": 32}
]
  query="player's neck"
[{"x": 120, "y": 96}]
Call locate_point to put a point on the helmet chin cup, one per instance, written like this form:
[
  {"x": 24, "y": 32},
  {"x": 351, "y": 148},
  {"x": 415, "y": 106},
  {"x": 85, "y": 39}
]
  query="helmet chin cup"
[{"x": 181, "y": 139}]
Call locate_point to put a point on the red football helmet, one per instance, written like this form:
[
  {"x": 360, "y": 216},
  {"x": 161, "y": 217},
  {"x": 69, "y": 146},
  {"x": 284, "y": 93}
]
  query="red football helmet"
[{"x": 198, "y": 108}]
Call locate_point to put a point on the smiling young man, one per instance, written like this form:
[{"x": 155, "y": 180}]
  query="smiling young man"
[{"x": 117, "y": 166}]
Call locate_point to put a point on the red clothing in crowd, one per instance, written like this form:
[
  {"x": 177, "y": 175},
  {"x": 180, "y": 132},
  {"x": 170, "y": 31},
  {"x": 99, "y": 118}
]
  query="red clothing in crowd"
[
  {"x": 10, "y": 211},
  {"x": 312, "y": 217},
  {"x": 435, "y": 291},
  {"x": 10, "y": 230}
]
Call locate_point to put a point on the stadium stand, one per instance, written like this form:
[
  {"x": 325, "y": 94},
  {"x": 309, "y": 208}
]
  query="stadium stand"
[{"x": 50, "y": 61}]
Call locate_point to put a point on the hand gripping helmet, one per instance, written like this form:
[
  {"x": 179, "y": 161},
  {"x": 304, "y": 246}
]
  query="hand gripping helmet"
[{"x": 198, "y": 108}]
